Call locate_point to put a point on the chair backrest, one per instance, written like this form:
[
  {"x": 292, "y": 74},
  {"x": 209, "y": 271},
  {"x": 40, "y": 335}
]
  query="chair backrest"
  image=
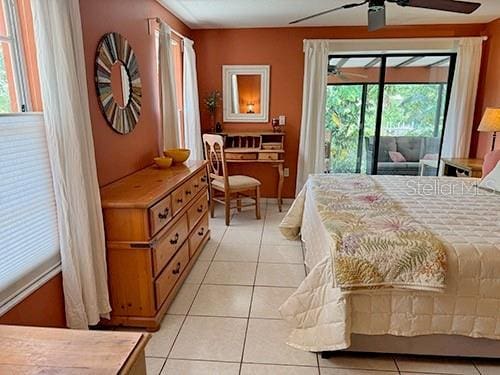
[
  {"x": 490, "y": 162},
  {"x": 214, "y": 153}
]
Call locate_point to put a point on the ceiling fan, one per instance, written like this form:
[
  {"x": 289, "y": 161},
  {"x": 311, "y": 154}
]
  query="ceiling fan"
[
  {"x": 344, "y": 76},
  {"x": 376, "y": 9}
]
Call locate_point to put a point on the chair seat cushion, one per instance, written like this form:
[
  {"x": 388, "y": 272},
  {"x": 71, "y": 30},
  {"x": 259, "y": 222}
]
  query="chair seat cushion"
[{"x": 238, "y": 182}]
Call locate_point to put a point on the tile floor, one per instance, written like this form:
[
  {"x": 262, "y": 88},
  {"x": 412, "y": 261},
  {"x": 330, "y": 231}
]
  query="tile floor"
[{"x": 225, "y": 319}]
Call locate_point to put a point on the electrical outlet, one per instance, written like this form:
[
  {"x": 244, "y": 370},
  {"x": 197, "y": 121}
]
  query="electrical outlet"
[{"x": 286, "y": 172}]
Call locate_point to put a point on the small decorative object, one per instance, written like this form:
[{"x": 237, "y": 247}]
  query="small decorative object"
[
  {"x": 163, "y": 162},
  {"x": 212, "y": 102},
  {"x": 116, "y": 66},
  {"x": 218, "y": 127},
  {"x": 250, "y": 108},
  {"x": 179, "y": 155},
  {"x": 276, "y": 125}
]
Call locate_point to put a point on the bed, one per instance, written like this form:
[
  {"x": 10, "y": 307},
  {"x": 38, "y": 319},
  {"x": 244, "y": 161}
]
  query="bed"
[{"x": 462, "y": 318}]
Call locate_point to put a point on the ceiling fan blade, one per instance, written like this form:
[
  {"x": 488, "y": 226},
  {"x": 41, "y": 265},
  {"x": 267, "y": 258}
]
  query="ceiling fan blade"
[
  {"x": 347, "y": 6},
  {"x": 445, "y": 5},
  {"x": 376, "y": 19}
]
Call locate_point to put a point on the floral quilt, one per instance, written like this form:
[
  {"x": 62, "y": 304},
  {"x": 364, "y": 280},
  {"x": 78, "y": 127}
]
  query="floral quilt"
[{"x": 374, "y": 242}]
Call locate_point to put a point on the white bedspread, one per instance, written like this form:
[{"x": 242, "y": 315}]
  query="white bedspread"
[{"x": 467, "y": 220}]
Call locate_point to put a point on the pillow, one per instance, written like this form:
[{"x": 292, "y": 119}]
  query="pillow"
[
  {"x": 431, "y": 157},
  {"x": 397, "y": 157},
  {"x": 492, "y": 180},
  {"x": 490, "y": 161}
]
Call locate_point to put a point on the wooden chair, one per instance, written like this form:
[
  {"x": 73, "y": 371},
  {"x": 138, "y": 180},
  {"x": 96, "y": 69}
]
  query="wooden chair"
[{"x": 224, "y": 188}]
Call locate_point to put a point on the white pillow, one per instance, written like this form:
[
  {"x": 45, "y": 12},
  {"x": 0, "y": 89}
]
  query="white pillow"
[{"x": 492, "y": 180}]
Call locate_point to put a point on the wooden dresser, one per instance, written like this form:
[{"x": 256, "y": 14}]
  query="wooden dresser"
[{"x": 156, "y": 221}]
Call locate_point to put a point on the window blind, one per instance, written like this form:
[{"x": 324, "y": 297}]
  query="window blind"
[{"x": 29, "y": 250}]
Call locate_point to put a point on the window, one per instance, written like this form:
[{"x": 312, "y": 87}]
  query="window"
[{"x": 29, "y": 245}]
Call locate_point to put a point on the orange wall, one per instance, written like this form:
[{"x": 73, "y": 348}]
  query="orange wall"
[
  {"x": 489, "y": 89},
  {"x": 116, "y": 155},
  {"x": 282, "y": 49}
]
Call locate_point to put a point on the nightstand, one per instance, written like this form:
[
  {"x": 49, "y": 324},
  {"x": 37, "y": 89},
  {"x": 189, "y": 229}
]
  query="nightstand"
[{"x": 463, "y": 167}]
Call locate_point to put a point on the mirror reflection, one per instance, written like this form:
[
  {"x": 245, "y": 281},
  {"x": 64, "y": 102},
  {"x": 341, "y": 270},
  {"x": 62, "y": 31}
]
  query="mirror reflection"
[
  {"x": 120, "y": 84},
  {"x": 245, "y": 93}
]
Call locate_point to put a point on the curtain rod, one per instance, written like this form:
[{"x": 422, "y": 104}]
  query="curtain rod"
[{"x": 158, "y": 20}]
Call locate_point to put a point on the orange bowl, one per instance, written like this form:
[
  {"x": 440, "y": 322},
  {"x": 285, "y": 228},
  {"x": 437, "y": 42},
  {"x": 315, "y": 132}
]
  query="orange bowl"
[
  {"x": 180, "y": 155},
  {"x": 163, "y": 162}
]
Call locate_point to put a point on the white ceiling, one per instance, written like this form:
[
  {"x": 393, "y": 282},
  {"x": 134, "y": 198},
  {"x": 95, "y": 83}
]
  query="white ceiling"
[{"x": 200, "y": 14}]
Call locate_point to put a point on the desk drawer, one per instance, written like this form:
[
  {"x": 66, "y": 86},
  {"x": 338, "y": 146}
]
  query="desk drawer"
[
  {"x": 159, "y": 215},
  {"x": 241, "y": 156},
  {"x": 198, "y": 235},
  {"x": 167, "y": 279},
  {"x": 197, "y": 210},
  {"x": 268, "y": 156},
  {"x": 169, "y": 243}
]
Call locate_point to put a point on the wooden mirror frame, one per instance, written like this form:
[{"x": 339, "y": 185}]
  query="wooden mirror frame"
[{"x": 113, "y": 48}]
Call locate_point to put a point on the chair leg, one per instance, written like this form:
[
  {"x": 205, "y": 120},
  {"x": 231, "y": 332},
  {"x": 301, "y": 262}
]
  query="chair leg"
[
  {"x": 227, "y": 207},
  {"x": 238, "y": 202},
  {"x": 257, "y": 203},
  {"x": 212, "y": 204}
]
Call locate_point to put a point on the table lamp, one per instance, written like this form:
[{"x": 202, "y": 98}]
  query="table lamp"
[{"x": 491, "y": 123}]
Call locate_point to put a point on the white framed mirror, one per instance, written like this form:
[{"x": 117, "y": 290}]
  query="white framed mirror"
[{"x": 245, "y": 93}]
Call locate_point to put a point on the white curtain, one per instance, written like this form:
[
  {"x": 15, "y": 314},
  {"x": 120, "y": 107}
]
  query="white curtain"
[
  {"x": 192, "y": 124},
  {"x": 457, "y": 134},
  {"x": 58, "y": 32},
  {"x": 312, "y": 131},
  {"x": 170, "y": 117}
]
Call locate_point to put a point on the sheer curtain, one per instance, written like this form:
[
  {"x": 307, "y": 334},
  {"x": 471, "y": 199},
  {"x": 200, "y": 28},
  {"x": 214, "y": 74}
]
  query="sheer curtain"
[
  {"x": 312, "y": 131},
  {"x": 458, "y": 130},
  {"x": 192, "y": 124},
  {"x": 170, "y": 119},
  {"x": 58, "y": 32}
]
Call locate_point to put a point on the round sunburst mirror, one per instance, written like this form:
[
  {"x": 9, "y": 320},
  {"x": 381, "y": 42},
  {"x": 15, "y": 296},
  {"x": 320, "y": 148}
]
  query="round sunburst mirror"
[{"x": 118, "y": 83}]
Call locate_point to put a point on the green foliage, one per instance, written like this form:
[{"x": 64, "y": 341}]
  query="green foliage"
[
  {"x": 409, "y": 110},
  {"x": 212, "y": 101},
  {"x": 4, "y": 87}
]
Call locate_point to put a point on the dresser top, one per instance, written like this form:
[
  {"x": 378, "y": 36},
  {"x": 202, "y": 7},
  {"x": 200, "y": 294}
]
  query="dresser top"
[{"x": 149, "y": 185}]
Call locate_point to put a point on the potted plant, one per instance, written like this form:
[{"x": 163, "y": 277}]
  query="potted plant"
[{"x": 212, "y": 102}]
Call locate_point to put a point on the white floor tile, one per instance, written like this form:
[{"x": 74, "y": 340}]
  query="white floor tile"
[
  {"x": 208, "y": 252},
  {"x": 162, "y": 340},
  {"x": 198, "y": 272},
  {"x": 273, "y": 274},
  {"x": 209, "y": 338},
  {"x": 281, "y": 254},
  {"x": 436, "y": 365},
  {"x": 488, "y": 366},
  {"x": 256, "y": 369},
  {"x": 266, "y": 301},
  {"x": 274, "y": 237},
  {"x": 266, "y": 344},
  {"x": 242, "y": 237},
  {"x": 231, "y": 273},
  {"x": 232, "y": 252},
  {"x": 154, "y": 365},
  {"x": 183, "y": 299},
  {"x": 361, "y": 361},
  {"x": 183, "y": 367},
  {"x": 222, "y": 300}
]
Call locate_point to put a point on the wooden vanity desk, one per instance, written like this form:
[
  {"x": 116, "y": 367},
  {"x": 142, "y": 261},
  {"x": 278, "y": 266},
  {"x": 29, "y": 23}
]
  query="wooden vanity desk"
[
  {"x": 257, "y": 147},
  {"x": 156, "y": 223}
]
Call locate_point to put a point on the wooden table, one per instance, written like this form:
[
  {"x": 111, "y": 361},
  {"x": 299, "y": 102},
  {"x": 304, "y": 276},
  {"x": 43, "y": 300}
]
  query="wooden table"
[
  {"x": 463, "y": 167},
  {"x": 34, "y": 350}
]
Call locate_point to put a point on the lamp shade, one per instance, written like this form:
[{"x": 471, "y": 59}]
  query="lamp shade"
[{"x": 490, "y": 121}]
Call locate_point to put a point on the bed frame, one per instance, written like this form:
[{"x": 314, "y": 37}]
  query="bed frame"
[{"x": 432, "y": 345}]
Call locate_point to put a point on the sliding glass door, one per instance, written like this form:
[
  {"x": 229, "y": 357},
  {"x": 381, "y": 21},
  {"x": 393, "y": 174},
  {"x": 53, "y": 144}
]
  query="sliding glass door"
[{"x": 387, "y": 108}]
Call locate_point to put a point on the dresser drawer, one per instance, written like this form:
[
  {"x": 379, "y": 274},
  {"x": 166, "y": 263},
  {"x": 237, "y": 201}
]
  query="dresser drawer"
[
  {"x": 159, "y": 215},
  {"x": 167, "y": 279},
  {"x": 202, "y": 179},
  {"x": 178, "y": 199},
  {"x": 268, "y": 156},
  {"x": 198, "y": 235},
  {"x": 196, "y": 211},
  {"x": 169, "y": 243}
]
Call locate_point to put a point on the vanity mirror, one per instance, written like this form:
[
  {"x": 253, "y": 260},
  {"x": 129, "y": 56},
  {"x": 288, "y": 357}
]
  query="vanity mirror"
[
  {"x": 245, "y": 93},
  {"x": 118, "y": 83}
]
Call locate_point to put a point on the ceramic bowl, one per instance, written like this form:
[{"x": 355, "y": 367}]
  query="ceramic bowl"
[
  {"x": 163, "y": 162},
  {"x": 180, "y": 155}
]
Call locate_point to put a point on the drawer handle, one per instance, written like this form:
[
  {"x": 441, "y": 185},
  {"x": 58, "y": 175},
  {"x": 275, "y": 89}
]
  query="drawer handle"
[
  {"x": 177, "y": 269},
  {"x": 175, "y": 239},
  {"x": 204, "y": 179},
  {"x": 200, "y": 209},
  {"x": 201, "y": 232},
  {"x": 188, "y": 192},
  {"x": 179, "y": 200},
  {"x": 163, "y": 215},
  {"x": 196, "y": 186}
]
